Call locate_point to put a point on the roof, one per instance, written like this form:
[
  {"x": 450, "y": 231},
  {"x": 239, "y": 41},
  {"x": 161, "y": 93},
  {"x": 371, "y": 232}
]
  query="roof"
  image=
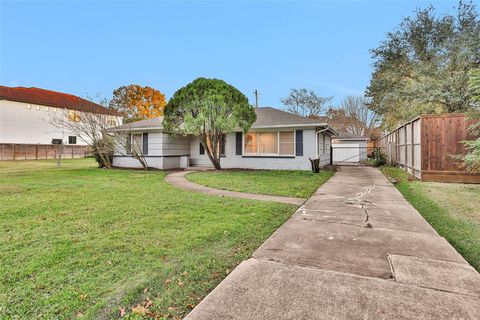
[
  {"x": 267, "y": 117},
  {"x": 349, "y": 136},
  {"x": 153, "y": 123},
  {"x": 52, "y": 99}
]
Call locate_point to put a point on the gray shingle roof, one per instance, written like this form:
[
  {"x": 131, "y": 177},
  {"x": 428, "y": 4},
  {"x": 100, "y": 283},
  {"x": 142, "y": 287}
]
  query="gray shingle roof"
[
  {"x": 267, "y": 117},
  {"x": 271, "y": 117},
  {"x": 154, "y": 123},
  {"x": 347, "y": 136}
]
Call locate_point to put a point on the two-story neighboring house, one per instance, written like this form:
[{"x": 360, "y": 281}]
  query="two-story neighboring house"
[{"x": 27, "y": 122}]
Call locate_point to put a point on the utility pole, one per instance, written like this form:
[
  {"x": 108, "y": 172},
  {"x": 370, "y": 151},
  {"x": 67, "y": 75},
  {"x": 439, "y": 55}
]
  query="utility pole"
[{"x": 256, "y": 98}]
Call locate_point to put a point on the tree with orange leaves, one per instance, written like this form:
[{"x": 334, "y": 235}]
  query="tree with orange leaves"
[{"x": 137, "y": 103}]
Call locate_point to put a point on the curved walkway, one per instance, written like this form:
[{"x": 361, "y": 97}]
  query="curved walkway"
[{"x": 178, "y": 179}]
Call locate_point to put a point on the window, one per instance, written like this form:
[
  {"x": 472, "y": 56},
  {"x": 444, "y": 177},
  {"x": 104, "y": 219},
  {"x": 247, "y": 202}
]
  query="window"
[
  {"x": 74, "y": 116},
  {"x": 267, "y": 143},
  {"x": 128, "y": 144},
  {"x": 137, "y": 143},
  {"x": 323, "y": 145},
  {"x": 277, "y": 143},
  {"x": 29, "y": 106},
  {"x": 222, "y": 146},
  {"x": 38, "y": 107},
  {"x": 72, "y": 140},
  {"x": 251, "y": 143},
  {"x": 287, "y": 143}
]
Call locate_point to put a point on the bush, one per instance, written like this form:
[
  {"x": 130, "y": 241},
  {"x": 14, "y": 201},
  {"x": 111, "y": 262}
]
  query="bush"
[
  {"x": 378, "y": 158},
  {"x": 101, "y": 150}
]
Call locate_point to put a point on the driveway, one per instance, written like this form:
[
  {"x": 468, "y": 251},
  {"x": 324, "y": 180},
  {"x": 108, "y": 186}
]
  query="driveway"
[{"x": 355, "y": 250}]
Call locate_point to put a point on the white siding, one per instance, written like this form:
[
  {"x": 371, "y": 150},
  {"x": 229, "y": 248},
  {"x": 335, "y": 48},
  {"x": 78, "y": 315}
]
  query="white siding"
[
  {"x": 20, "y": 124},
  {"x": 165, "y": 146},
  {"x": 231, "y": 160}
]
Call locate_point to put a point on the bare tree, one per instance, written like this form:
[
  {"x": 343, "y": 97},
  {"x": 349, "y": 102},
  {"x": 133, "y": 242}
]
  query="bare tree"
[
  {"x": 126, "y": 142},
  {"x": 90, "y": 128},
  {"x": 305, "y": 102},
  {"x": 359, "y": 118}
]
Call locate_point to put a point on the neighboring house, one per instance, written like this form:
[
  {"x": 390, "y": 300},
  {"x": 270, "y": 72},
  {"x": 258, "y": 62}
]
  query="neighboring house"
[
  {"x": 349, "y": 148},
  {"x": 277, "y": 140},
  {"x": 27, "y": 129}
]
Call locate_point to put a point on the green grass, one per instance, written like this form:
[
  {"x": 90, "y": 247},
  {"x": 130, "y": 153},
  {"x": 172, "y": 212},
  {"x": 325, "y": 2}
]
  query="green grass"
[
  {"x": 78, "y": 241},
  {"x": 453, "y": 209},
  {"x": 300, "y": 184}
]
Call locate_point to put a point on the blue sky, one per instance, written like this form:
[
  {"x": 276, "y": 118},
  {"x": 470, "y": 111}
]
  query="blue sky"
[{"x": 94, "y": 47}]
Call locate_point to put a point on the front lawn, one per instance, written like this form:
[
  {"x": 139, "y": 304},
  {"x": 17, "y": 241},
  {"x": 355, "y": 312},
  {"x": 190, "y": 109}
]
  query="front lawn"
[
  {"x": 453, "y": 209},
  {"x": 83, "y": 242},
  {"x": 300, "y": 184}
]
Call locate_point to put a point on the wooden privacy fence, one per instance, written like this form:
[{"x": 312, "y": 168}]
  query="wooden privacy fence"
[
  {"x": 15, "y": 151},
  {"x": 426, "y": 145}
]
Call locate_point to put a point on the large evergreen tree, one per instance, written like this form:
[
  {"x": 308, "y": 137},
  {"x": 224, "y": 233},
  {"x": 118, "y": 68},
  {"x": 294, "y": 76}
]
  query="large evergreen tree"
[{"x": 209, "y": 108}]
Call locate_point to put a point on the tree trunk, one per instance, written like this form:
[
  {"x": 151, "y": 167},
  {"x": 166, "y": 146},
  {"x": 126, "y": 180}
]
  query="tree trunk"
[{"x": 211, "y": 152}]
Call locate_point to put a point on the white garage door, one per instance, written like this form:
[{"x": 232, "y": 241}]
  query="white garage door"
[{"x": 349, "y": 152}]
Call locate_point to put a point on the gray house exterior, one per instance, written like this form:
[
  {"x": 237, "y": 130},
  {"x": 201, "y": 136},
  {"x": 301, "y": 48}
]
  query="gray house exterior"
[{"x": 277, "y": 140}]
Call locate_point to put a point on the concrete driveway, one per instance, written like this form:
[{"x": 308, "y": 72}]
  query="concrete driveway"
[{"x": 355, "y": 250}]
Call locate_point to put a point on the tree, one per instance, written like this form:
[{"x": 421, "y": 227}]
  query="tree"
[
  {"x": 359, "y": 118},
  {"x": 90, "y": 128},
  {"x": 138, "y": 103},
  {"x": 471, "y": 160},
  {"x": 208, "y": 108},
  {"x": 423, "y": 65},
  {"x": 127, "y": 143},
  {"x": 305, "y": 103}
]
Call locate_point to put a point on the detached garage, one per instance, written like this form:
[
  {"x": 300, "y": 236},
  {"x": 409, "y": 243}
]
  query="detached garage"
[{"x": 349, "y": 149}]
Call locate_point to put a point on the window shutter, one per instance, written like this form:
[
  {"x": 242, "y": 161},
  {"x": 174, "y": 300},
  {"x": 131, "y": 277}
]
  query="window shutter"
[
  {"x": 238, "y": 143},
  {"x": 299, "y": 143},
  {"x": 145, "y": 143},
  {"x": 202, "y": 149}
]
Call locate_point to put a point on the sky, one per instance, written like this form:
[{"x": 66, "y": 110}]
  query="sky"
[{"x": 93, "y": 47}]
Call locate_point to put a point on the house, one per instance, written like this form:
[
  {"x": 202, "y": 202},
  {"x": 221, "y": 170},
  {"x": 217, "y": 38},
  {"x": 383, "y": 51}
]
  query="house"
[
  {"x": 277, "y": 140},
  {"x": 27, "y": 128},
  {"x": 348, "y": 148}
]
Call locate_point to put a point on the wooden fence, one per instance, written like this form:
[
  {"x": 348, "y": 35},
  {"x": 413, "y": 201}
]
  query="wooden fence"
[
  {"x": 10, "y": 151},
  {"x": 426, "y": 147}
]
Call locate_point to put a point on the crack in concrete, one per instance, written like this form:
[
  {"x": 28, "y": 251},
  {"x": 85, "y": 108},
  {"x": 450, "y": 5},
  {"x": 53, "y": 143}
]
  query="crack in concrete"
[{"x": 362, "y": 203}]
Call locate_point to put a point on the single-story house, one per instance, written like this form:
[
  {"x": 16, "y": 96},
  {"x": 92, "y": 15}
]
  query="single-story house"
[
  {"x": 277, "y": 140},
  {"x": 349, "y": 148}
]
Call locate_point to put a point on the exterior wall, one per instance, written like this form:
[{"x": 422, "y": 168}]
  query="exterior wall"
[
  {"x": 24, "y": 123},
  {"x": 231, "y": 160},
  {"x": 166, "y": 151}
]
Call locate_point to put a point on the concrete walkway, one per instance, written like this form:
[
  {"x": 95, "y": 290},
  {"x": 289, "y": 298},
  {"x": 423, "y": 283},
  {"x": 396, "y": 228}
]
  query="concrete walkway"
[
  {"x": 355, "y": 250},
  {"x": 178, "y": 179}
]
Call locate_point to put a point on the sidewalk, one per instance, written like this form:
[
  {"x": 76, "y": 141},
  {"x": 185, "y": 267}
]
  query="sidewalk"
[{"x": 355, "y": 250}]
